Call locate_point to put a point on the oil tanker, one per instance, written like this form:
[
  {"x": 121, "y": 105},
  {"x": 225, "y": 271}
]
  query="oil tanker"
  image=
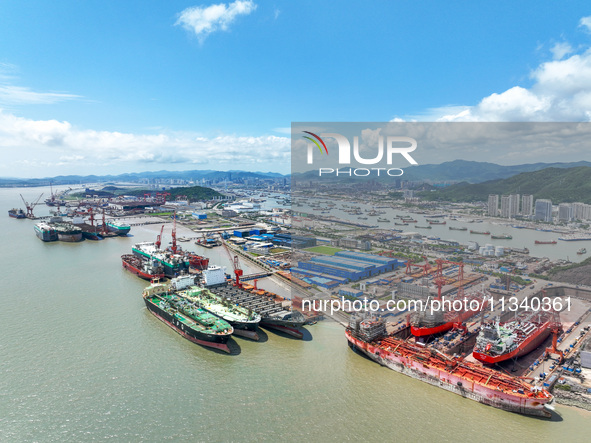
[
  {"x": 188, "y": 320},
  {"x": 274, "y": 311},
  {"x": 470, "y": 380},
  {"x": 497, "y": 342},
  {"x": 244, "y": 321}
]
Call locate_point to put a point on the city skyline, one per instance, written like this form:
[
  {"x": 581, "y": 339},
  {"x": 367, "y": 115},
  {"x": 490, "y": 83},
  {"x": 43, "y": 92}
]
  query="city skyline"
[{"x": 190, "y": 85}]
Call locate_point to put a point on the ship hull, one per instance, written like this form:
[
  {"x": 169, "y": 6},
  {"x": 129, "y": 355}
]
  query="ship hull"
[
  {"x": 71, "y": 238},
  {"x": 13, "y": 215},
  {"x": 288, "y": 327},
  {"x": 531, "y": 343},
  {"x": 46, "y": 235},
  {"x": 419, "y": 331},
  {"x": 203, "y": 339},
  {"x": 119, "y": 230},
  {"x": 451, "y": 382},
  {"x": 138, "y": 272}
]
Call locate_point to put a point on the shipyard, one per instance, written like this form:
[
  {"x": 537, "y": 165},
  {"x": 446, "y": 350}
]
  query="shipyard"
[{"x": 225, "y": 222}]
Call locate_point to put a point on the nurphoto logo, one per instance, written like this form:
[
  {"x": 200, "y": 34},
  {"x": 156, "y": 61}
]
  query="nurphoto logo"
[{"x": 394, "y": 146}]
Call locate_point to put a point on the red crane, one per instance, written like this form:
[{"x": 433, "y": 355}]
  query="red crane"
[
  {"x": 235, "y": 263},
  {"x": 426, "y": 267},
  {"x": 556, "y": 329},
  {"x": 439, "y": 280},
  {"x": 159, "y": 238},
  {"x": 173, "y": 248},
  {"x": 30, "y": 206}
]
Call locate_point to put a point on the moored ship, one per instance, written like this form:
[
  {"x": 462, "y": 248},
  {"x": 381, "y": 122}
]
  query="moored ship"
[
  {"x": 275, "y": 313},
  {"x": 193, "y": 323},
  {"x": 16, "y": 213},
  {"x": 143, "y": 268},
  {"x": 479, "y": 232},
  {"x": 501, "y": 237},
  {"x": 44, "y": 231},
  {"x": 67, "y": 232},
  {"x": 244, "y": 321},
  {"x": 118, "y": 228},
  {"x": 481, "y": 384},
  {"x": 497, "y": 342},
  {"x": 173, "y": 264}
]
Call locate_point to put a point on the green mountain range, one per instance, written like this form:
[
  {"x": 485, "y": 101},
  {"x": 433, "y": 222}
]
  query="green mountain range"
[{"x": 556, "y": 184}]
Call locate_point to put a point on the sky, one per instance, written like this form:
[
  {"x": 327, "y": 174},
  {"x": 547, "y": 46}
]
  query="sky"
[{"x": 107, "y": 87}]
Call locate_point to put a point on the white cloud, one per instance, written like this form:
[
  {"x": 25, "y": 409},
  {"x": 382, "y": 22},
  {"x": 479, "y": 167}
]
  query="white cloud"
[
  {"x": 18, "y": 95},
  {"x": 560, "y": 49},
  {"x": 561, "y": 91},
  {"x": 63, "y": 147},
  {"x": 585, "y": 22},
  {"x": 205, "y": 20}
]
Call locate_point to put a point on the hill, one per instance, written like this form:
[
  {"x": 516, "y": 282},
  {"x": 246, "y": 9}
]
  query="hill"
[
  {"x": 556, "y": 184},
  {"x": 193, "y": 193}
]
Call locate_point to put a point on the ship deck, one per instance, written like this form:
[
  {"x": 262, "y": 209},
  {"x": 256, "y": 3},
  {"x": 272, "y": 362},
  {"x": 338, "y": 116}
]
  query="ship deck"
[{"x": 469, "y": 371}]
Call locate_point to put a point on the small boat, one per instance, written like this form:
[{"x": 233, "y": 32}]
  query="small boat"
[{"x": 582, "y": 251}]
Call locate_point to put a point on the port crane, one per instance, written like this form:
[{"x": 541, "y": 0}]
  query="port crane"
[
  {"x": 238, "y": 272},
  {"x": 173, "y": 248},
  {"x": 30, "y": 206},
  {"x": 159, "y": 238},
  {"x": 426, "y": 267}
]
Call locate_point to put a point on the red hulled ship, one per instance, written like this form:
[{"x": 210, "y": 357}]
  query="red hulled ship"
[
  {"x": 470, "y": 380},
  {"x": 498, "y": 342}
]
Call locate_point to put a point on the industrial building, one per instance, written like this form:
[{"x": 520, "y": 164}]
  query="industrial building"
[{"x": 349, "y": 265}]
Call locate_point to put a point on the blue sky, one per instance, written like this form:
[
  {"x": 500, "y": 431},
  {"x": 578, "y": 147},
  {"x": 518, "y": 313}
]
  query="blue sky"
[{"x": 110, "y": 87}]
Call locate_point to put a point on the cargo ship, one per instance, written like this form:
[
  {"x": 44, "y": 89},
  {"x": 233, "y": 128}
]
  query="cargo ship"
[
  {"x": 436, "y": 222},
  {"x": 502, "y": 237},
  {"x": 16, "y": 213},
  {"x": 244, "y": 321},
  {"x": 470, "y": 380},
  {"x": 118, "y": 228},
  {"x": 430, "y": 322},
  {"x": 479, "y": 232},
  {"x": 401, "y": 224},
  {"x": 46, "y": 232},
  {"x": 173, "y": 264},
  {"x": 143, "y": 268},
  {"x": 274, "y": 311},
  {"x": 497, "y": 342},
  {"x": 188, "y": 320},
  {"x": 575, "y": 238},
  {"x": 453, "y": 228},
  {"x": 67, "y": 232},
  {"x": 539, "y": 242},
  {"x": 423, "y": 227}
]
